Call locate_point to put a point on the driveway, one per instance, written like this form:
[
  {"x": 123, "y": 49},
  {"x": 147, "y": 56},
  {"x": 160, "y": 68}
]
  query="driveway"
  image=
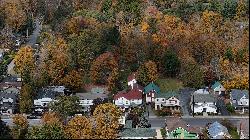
[
  {"x": 222, "y": 107},
  {"x": 185, "y": 97}
]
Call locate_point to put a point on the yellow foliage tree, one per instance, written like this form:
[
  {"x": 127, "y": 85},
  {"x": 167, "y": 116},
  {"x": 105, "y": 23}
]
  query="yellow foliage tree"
[
  {"x": 73, "y": 80},
  {"x": 51, "y": 118},
  {"x": 21, "y": 125},
  {"x": 106, "y": 121},
  {"x": 79, "y": 127}
]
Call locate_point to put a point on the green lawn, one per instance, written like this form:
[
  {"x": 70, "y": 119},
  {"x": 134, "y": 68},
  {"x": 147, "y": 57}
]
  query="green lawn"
[
  {"x": 169, "y": 84},
  {"x": 233, "y": 133}
]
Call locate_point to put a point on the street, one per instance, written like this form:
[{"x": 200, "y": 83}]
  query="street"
[{"x": 200, "y": 122}]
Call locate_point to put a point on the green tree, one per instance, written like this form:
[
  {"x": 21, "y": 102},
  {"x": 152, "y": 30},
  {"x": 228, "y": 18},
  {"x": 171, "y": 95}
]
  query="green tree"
[
  {"x": 4, "y": 130},
  {"x": 46, "y": 131},
  {"x": 65, "y": 106},
  {"x": 192, "y": 75},
  {"x": 26, "y": 99},
  {"x": 171, "y": 64},
  {"x": 229, "y": 9}
]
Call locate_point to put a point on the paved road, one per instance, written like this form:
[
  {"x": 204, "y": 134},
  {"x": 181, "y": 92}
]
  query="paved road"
[
  {"x": 32, "y": 122},
  {"x": 157, "y": 123},
  {"x": 222, "y": 107},
  {"x": 31, "y": 41}
]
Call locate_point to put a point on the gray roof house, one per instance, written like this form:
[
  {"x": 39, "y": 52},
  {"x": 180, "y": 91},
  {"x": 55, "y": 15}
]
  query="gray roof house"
[
  {"x": 239, "y": 98},
  {"x": 203, "y": 103},
  {"x": 218, "y": 131},
  {"x": 136, "y": 133},
  {"x": 8, "y": 102}
]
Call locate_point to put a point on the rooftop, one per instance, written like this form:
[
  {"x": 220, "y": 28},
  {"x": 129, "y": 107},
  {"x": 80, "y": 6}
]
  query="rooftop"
[
  {"x": 150, "y": 87},
  {"x": 132, "y": 94},
  {"x": 216, "y": 84},
  {"x": 138, "y": 132},
  {"x": 203, "y": 98},
  {"x": 217, "y": 131},
  {"x": 168, "y": 95},
  {"x": 91, "y": 96}
]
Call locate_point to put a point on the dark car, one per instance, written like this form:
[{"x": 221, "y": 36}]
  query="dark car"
[{"x": 32, "y": 117}]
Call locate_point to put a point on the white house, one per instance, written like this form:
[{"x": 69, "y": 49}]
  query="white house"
[
  {"x": 203, "y": 103},
  {"x": 132, "y": 80},
  {"x": 169, "y": 100},
  {"x": 218, "y": 89},
  {"x": 126, "y": 99},
  {"x": 240, "y": 99},
  {"x": 150, "y": 91}
]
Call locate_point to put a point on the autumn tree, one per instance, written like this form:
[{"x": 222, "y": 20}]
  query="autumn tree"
[
  {"x": 79, "y": 127},
  {"x": 106, "y": 121},
  {"x": 15, "y": 14},
  {"x": 147, "y": 72},
  {"x": 26, "y": 99},
  {"x": 105, "y": 70},
  {"x": 50, "y": 118},
  {"x": 65, "y": 106},
  {"x": 73, "y": 80},
  {"x": 25, "y": 63},
  {"x": 241, "y": 10},
  {"x": 209, "y": 76},
  {"x": 21, "y": 126}
]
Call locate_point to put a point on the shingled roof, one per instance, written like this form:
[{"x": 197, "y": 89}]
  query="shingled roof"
[
  {"x": 151, "y": 87},
  {"x": 168, "y": 95},
  {"x": 203, "y": 98},
  {"x": 237, "y": 94},
  {"x": 138, "y": 132},
  {"x": 132, "y": 76}
]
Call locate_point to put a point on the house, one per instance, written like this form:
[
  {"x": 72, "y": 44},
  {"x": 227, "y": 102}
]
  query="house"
[
  {"x": 132, "y": 80},
  {"x": 150, "y": 90},
  {"x": 86, "y": 99},
  {"x": 8, "y": 102},
  {"x": 202, "y": 91},
  {"x": 240, "y": 99},
  {"x": 169, "y": 100},
  {"x": 136, "y": 133},
  {"x": 125, "y": 99},
  {"x": 203, "y": 103},
  {"x": 181, "y": 133},
  {"x": 218, "y": 131},
  {"x": 243, "y": 128},
  {"x": 45, "y": 96},
  {"x": 5, "y": 85},
  {"x": 177, "y": 128},
  {"x": 218, "y": 89}
]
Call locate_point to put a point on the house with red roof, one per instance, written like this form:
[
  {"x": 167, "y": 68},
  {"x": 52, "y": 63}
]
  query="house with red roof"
[{"x": 125, "y": 99}]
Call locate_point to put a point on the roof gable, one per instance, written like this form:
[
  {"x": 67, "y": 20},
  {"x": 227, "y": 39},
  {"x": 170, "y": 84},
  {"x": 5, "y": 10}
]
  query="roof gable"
[
  {"x": 216, "y": 84},
  {"x": 203, "y": 98},
  {"x": 238, "y": 94},
  {"x": 132, "y": 94},
  {"x": 150, "y": 87},
  {"x": 131, "y": 76},
  {"x": 168, "y": 95}
]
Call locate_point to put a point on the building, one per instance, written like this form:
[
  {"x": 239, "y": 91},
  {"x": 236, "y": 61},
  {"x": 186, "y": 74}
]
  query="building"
[
  {"x": 86, "y": 99},
  {"x": 218, "y": 89},
  {"x": 132, "y": 80},
  {"x": 203, "y": 103},
  {"x": 8, "y": 102},
  {"x": 218, "y": 131},
  {"x": 136, "y": 133},
  {"x": 240, "y": 99},
  {"x": 46, "y": 95},
  {"x": 169, "y": 100},
  {"x": 176, "y": 128},
  {"x": 150, "y": 91},
  {"x": 5, "y": 85},
  {"x": 202, "y": 91},
  {"x": 243, "y": 129},
  {"x": 125, "y": 99}
]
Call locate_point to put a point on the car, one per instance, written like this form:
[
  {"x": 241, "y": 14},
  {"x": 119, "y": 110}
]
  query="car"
[
  {"x": 18, "y": 42},
  {"x": 31, "y": 117}
]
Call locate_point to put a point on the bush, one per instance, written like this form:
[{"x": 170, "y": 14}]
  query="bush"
[
  {"x": 163, "y": 132},
  {"x": 230, "y": 108}
]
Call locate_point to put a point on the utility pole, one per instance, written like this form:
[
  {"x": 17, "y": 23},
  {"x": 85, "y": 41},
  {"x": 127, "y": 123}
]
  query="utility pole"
[{"x": 193, "y": 105}]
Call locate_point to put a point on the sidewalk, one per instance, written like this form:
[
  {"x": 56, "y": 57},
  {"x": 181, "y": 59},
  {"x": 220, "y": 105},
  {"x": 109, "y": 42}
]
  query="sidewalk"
[{"x": 158, "y": 134}]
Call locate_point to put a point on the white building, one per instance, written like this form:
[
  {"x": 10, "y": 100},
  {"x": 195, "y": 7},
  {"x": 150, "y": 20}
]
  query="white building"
[
  {"x": 126, "y": 99},
  {"x": 240, "y": 99},
  {"x": 132, "y": 80},
  {"x": 169, "y": 100},
  {"x": 150, "y": 91},
  {"x": 8, "y": 103},
  {"x": 203, "y": 103}
]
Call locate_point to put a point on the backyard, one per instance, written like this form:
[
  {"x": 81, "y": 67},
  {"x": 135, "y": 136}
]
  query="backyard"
[{"x": 168, "y": 84}]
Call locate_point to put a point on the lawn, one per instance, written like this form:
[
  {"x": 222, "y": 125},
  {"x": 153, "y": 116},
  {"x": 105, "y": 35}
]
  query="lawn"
[
  {"x": 169, "y": 84},
  {"x": 233, "y": 133}
]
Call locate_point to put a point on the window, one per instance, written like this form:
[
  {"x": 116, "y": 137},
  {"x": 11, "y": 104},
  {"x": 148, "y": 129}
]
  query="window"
[
  {"x": 126, "y": 102},
  {"x": 163, "y": 100},
  {"x": 157, "y": 99}
]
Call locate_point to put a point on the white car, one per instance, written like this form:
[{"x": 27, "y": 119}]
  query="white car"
[{"x": 18, "y": 43}]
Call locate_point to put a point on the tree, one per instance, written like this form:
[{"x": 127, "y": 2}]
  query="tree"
[
  {"x": 209, "y": 76},
  {"x": 46, "y": 131},
  {"x": 192, "y": 75},
  {"x": 147, "y": 73},
  {"x": 105, "y": 70},
  {"x": 97, "y": 102},
  {"x": 229, "y": 9},
  {"x": 171, "y": 63},
  {"x": 21, "y": 126},
  {"x": 15, "y": 14},
  {"x": 4, "y": 130},
  {"x": 79, "y": 127},
  {"x": 51, "y": 118},
  {"x": 241, "y": 10},
  {"x": 26, "y": 99},
  {"x": 24, "y": 62},
  {"x": 73, "y": 80},
  {"x": 106, "y": 121},
  {"x": 65, "y": 106}
]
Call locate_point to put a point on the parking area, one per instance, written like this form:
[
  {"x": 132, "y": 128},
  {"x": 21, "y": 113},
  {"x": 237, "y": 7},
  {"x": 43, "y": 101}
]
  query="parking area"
[{"x": 185, "y": 97}]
